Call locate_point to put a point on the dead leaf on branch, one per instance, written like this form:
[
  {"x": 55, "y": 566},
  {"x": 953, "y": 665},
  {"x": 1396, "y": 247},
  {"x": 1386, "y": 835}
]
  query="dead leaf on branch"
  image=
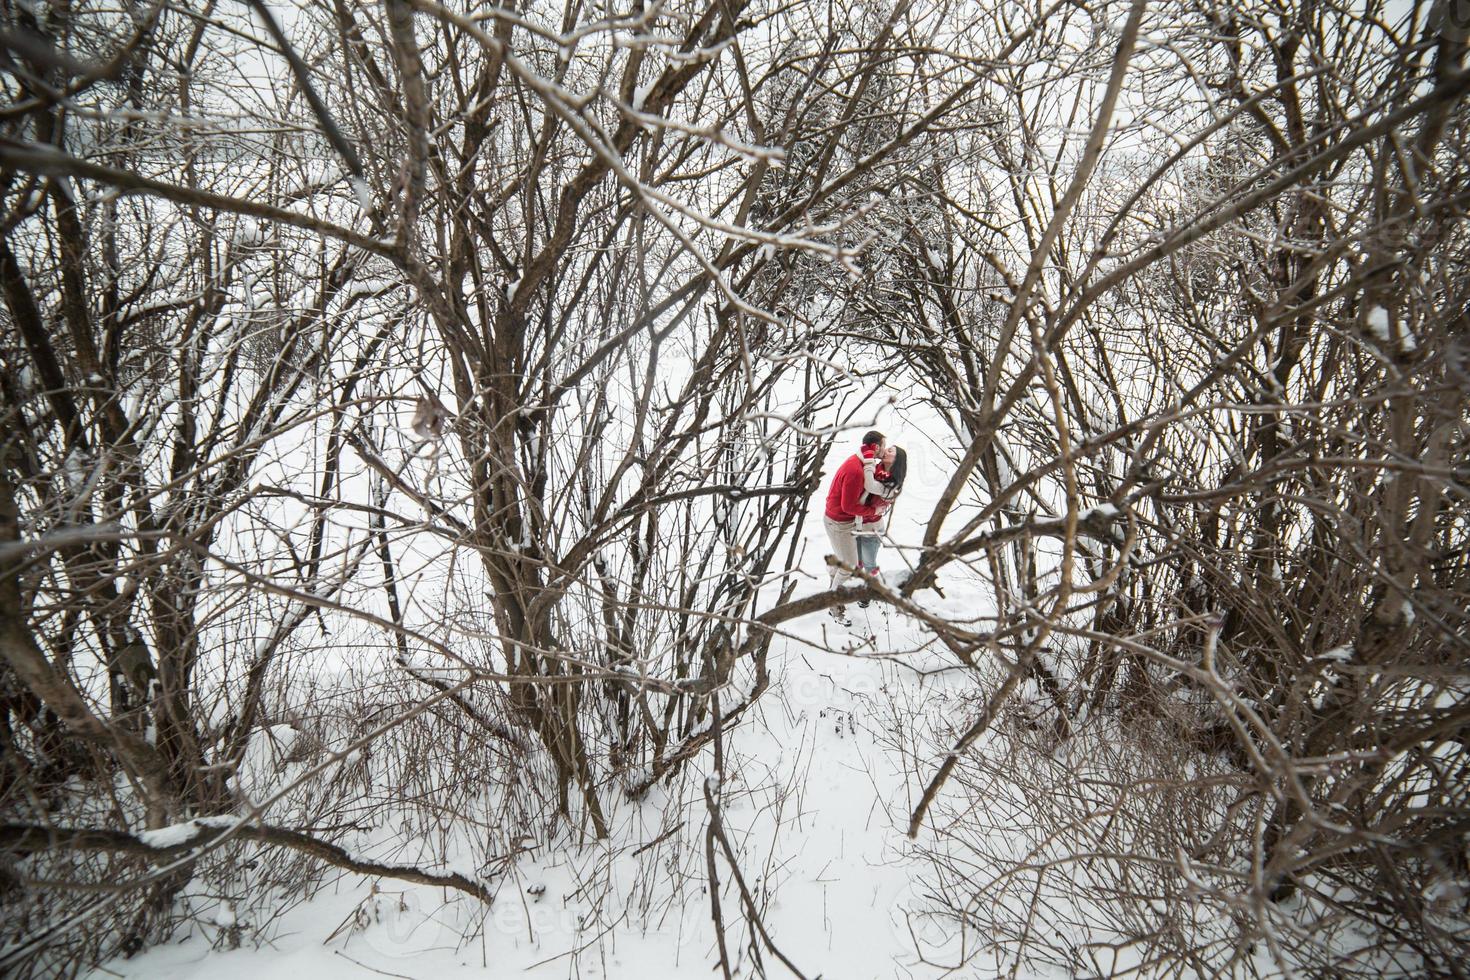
[{"x": 429, "y": 418}]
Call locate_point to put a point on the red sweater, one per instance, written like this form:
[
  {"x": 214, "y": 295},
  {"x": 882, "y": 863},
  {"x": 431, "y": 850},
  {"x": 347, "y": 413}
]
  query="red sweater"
[{"x": 845, "y": 498}]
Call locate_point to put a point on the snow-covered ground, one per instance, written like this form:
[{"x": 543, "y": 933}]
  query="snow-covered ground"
[{"x": 821, "y": 779}]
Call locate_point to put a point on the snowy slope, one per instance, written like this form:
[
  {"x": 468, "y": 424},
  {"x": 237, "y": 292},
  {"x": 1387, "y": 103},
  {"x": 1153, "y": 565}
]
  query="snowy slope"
[{"x": 821, "y": 781}]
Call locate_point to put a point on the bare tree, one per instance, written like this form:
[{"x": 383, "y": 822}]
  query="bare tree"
[
  {"x": 1244, "y": 349},
  {"x": 491, "y": 355},
  {"x": 448, "y": 304}
]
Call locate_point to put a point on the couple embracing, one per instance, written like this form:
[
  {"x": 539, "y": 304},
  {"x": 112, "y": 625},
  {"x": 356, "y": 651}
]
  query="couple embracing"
[{"x": 857, "y": 508}]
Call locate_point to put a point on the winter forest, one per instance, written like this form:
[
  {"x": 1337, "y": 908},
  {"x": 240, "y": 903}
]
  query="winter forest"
[{"x": 417, "y": 423}]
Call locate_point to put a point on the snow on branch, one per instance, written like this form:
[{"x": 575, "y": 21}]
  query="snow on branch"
[{"x": 202, "y": 833}]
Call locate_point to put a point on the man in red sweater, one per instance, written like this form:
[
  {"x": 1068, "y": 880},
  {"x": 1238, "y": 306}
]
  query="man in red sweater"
[{"x": 844, "y": 506}]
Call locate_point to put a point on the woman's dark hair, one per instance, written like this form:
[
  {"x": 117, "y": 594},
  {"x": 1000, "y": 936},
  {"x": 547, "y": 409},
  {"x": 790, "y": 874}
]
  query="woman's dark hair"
[{"x": 898, "y": 470}]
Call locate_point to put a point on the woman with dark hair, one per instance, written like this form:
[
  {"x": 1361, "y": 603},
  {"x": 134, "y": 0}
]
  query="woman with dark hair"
[
  {"x": 845, "y": 509},
  {"x": 883, "y": 481}
]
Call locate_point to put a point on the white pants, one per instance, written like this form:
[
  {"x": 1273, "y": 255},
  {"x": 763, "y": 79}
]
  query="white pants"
[{"x": 844, "y": 546}]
